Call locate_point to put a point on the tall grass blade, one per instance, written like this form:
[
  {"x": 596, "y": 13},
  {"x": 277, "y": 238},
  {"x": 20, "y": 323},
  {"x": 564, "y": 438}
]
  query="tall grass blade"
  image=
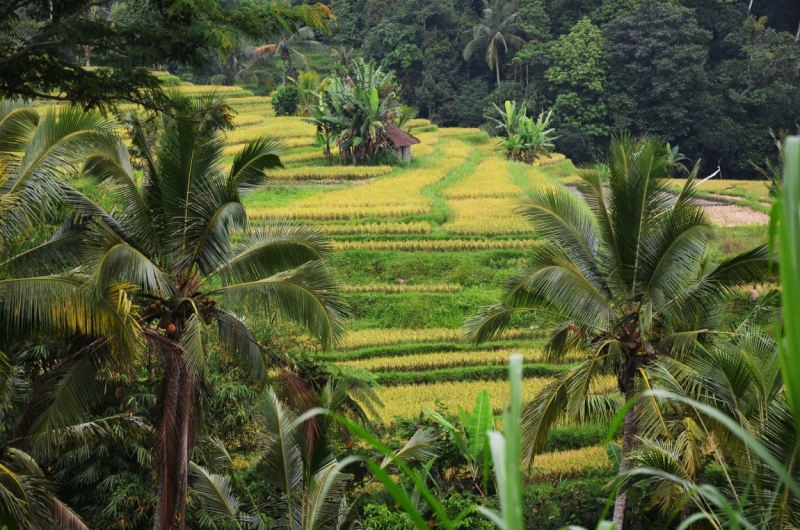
[{"x": 789, "y": 237}]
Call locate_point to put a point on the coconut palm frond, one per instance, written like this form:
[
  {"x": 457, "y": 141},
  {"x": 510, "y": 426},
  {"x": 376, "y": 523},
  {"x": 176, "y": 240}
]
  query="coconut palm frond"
[
  {"x": 305, "y": 295},
  {"x": 251, "y": 164},
  {"x": 281, "y": 458},
  {"x": 112, "y": 260},
  {"x": 238, "y": 340},
  {"x": 65, "y": 394},
  {"x": 419, "y": 448},
  {"x": 39, "y": 305},
  {"x": 216, "y": 493},
  {"x": 18, "y": 121},
  {"x": 66, "y": 518},
  {"x": 538, "y": 416},
  {"x": 324, "y": 502},
  {"x": 488, "y": 323},
  {"x": 61, "y": 252},
  {"x": 271, "y": 248}
]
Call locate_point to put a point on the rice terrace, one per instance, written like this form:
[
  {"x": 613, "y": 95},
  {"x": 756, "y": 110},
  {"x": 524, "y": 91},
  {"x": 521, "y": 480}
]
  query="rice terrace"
[{"x": 357, "y": 265}]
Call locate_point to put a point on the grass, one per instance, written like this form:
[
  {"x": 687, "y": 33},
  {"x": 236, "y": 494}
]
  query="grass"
[
  {"x": 401, "y": 288},
  {"x": 469, "y": 269},
  {"x": 417, "y": 310}
]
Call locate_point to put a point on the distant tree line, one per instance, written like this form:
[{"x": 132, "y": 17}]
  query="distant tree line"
[{"x": 712, "y": 76}]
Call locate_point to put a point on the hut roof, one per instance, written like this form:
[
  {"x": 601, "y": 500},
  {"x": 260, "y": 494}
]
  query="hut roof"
[{"x": 399, "y": 137}]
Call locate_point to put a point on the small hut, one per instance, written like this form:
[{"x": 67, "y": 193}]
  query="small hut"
[{"x": 401, "y": 140}]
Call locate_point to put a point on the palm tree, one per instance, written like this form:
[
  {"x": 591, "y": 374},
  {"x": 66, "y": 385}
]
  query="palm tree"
[
  {"x": 739, "y": 376},
  {"x": 628, "y": 274},
  {"x": 153, "y": 274},
  {"x": 496, "y": 30},
  {"x": 297, "y": 460},
  {"x": 287, "y": 47}
]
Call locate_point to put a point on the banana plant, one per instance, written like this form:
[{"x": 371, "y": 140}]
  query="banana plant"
[
  {"x": 509, "y": 117},
  {"x": 470, "y": 436}
]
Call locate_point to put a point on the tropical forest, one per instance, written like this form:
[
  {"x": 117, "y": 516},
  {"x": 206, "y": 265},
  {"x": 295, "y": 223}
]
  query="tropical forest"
[{"x": 406, "y": 265}]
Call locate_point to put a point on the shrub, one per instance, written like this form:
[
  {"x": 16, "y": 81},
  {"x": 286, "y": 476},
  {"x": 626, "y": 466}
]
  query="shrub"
[
  {"x": 575, "y": 144},
  {"x": 580, "y": 502},
  {"x": 378, "y": 517},
  {"x": 285, "y": 101}
]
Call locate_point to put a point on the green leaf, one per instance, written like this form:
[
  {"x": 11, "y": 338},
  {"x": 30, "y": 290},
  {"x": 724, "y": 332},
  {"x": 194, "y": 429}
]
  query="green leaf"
[
  {"x": 789, "y": 233},
  {"x": 480, "y": 423},
  {"x": 614, "y": 452}
]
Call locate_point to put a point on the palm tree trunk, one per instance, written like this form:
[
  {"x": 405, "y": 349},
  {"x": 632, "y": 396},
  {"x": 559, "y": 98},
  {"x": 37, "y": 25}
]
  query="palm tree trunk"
[
  {"x": 497, "y": 69},
  {"x": 629, "y": 432},
  {"x": 174, "y": 442}
]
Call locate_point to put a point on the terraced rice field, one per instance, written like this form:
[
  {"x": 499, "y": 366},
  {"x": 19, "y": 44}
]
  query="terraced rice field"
[{"x": 419, "y": 248}]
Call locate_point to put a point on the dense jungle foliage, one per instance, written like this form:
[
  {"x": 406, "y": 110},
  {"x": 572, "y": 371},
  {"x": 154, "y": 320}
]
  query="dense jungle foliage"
[{"x": 450, "y": 264}]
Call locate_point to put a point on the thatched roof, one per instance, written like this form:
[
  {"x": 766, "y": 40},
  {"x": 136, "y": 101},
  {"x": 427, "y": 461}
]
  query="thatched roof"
[{"x": 399, "y": 137}]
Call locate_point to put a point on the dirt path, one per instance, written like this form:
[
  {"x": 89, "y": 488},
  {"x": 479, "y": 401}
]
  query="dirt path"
[{"x": 723, "y": 212}]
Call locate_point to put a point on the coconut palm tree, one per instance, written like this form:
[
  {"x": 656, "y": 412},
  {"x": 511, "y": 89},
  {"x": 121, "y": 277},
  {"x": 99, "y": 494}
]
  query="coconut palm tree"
[
  {"x": 739, "y": 376},
  {"x": 297, "y": 460},
  {"x": 627, "y": 273},
  {"x": 496, "y": 31},
  {"x": 287, "y": 47},
  {"x": 154, "y": 273}
]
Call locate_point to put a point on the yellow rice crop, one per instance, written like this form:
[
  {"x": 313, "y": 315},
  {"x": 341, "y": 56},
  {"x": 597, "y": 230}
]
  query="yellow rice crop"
[
  {"x": 453, "y": 359},
  {"x": 279, "y": 127},
  {"x": 416, "y": 122},
  {"x": 252, "y": 101},
  {"x": 572, "y": 461},
  {"x": 535, "y": 177},
  {"x": 490, "y": 179},
  {"x": 159, "y": 73},
  {"x": 485, "y": 216},
  {"x": 434, "y": 245},
  {"x": 457, "y": 131},
  {"x": 396, "y": 288},
  {"x": 407, "y": 401},
  {"x": 330, "y": 172},
  {"x": 428, "y": 138},
  {"x": 420, "y": 150},
  {"x": 288, "y": 143},
  {"x": 387, "y": 337},
  {"x": 292, "y": 158},
  {"x": 188, "y": 89},
  {"x": 396, "y": 196},
  {"x": 375, "y": 228},
  {"x": 246, "y": 120},
  {"x": 554, "y": 158}
]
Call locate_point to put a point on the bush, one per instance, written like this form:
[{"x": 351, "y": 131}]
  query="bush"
[
  {"x": 577, "y": 437},
  {"x": 378, "y": 517},
  {"x": 575, "y": 144},
  {"x": 285, "y": 101},
  {"x": 580, "y": 502}
]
